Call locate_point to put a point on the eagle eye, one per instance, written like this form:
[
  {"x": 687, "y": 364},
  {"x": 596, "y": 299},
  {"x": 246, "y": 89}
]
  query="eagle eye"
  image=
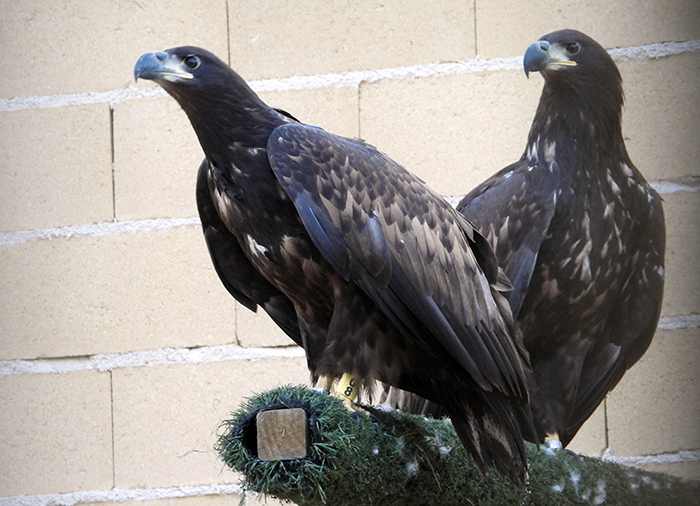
[
  {"x": 573, "y": 48},
  {"x": 192, "y": 61}
]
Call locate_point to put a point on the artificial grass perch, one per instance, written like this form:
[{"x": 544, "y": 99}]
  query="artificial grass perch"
[{"x": 393, "y": 458}]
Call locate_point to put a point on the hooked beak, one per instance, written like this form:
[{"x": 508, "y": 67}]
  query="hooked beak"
[
  {"x": 544, "y": 56},
  {"x": 160, "y": 66}
]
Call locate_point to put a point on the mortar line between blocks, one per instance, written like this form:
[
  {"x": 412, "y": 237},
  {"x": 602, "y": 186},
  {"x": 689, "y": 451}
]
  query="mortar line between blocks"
[
  {"x": 661, "y": 458},
  {"x": 111, "y": 409},
  {"x": 112, "y": 147},
  {"x": 476, "y": 35},
  {"x": 117, "y": 495},
  {"x": 333, "y": 80},
  {"x": 228, "y": 34},
  {"x": 359, "y": 111},
  {"x": 142, "y": 494},
  {"x": 164, "y": 356},
  {"x": 204, "y": 354},
  {"x": 148, "y": 225},
  {"x": 606, "y": 425}
]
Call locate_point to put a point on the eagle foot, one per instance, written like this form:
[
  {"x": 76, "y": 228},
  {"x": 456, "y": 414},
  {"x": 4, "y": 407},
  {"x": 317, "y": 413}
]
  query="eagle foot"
[
  {"x": 551, "y": 444},
  {"x": 324, "y": 384}
]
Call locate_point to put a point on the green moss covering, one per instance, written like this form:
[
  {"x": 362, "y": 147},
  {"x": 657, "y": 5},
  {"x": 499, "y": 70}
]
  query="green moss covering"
[{"x": 392, "y": 458}]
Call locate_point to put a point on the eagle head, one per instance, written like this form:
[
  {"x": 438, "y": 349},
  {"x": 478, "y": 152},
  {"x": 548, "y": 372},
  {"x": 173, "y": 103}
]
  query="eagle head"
[{"x": 567, "y": 52}]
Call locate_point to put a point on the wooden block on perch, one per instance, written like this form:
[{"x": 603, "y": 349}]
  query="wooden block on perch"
[{"x": 283, "y": 434}]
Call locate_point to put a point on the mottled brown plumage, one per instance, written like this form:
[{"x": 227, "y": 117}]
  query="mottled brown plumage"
[
  {"x": 580, "y": 234},
  {"x": 386, "y": 281}
]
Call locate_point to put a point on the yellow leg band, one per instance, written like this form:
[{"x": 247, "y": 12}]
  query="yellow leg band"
[{"x": 346, "y": 387}]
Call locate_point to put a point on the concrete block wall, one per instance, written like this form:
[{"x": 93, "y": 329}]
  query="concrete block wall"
[{"x": 120, "y": 351}]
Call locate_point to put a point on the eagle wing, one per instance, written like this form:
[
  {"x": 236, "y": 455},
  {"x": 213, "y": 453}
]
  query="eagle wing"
[
  {"x": 241, "y": 279},
  {"x": 636, "y": 314},
  {"x": 381, "y": 227},
  {"x": 513, "y": 209}
]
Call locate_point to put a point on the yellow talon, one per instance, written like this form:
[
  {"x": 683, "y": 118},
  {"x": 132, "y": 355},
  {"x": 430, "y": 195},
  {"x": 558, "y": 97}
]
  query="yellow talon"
[{"x": 324, "y": 383}]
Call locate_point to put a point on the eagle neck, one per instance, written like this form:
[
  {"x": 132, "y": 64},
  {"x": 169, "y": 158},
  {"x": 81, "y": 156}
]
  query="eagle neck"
[
  {"x": 581, "y": 119},
  {"x": 230, "y": 118}
]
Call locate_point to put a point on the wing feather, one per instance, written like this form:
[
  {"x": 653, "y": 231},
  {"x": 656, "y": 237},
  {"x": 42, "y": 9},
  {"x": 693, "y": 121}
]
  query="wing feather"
[
  {"x": 393, "y": 249},
  {"x": 637, "y": 311},
  {"x": 520, "y": 202},
  {"x": 239, "y": 277}
]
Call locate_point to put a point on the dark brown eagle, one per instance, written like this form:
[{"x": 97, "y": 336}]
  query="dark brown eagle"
[
  {"x": 581, "y": 235},
  {"x": 362, "y": 264}
]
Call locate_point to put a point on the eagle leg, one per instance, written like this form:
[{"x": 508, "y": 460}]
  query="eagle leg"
[{"x": 346, "y": 390}]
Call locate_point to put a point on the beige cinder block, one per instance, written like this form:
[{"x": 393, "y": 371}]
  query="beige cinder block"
[
  {"x": 333, "y": 109},
  {"x": 277, "y": 39},
  {"x": 251, "y": 499},
  {"x": 55, "y": 167},
  {"x": 453, "y": 131},
  {"x": 157, "y": 154},
  {"x": 156, "y": 158},
  {"x": 681, "y": 292},
  {"x": 613, "y": 24},
  {"x": 590, "y": 439},
  {"x": 166, "y": 417},
  {"x": 258, "y": 329},
  {"x": 56, "y": 433},
  {"x": 207, "y": 500},
  {"x": 79, "y": 46},
  {"x": 656, "y": 407},
  {"x": 661, "y": 121},
  {"x": 117, "y": 292},
  {"x": 689, "y": 470}
]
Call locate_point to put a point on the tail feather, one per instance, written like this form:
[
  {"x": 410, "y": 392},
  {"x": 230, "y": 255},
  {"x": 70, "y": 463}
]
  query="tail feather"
[
  {"x": 490, "y": 431},
  {"x": 491, "y": 426}
]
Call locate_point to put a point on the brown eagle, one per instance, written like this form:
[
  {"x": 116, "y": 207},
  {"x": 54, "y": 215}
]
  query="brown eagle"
[
  {"x": 362, "y": 264},
  {"x": 579, "y": 232}
]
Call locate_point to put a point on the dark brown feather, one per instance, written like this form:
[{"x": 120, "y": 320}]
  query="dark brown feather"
[
  {"x": 386, "y": 280},
  {"x": 581, "y": 235}
]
